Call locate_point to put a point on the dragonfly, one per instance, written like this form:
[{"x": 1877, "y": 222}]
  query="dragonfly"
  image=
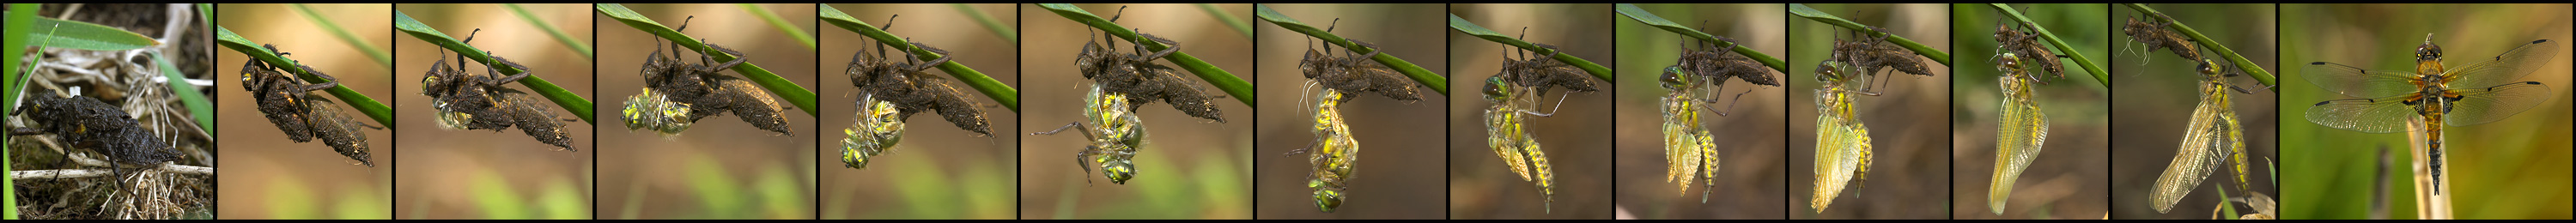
[
  {"x": 468, "y": 101},
  {"x": 1513, "y": 94},
  {"x": 2019, "y": 137},
  {"x": 1842, "y": 142},
  {"x": 2211, "y": 140},
  {"x": 304, "y": 116},
  {"x": 677, "y": 93},
  {"x": 1689, "y": 148},
  {"x": 903, "y": 87},
  {"x": 2024, "y": 129},
  {"x": 2384, "y": 101},
  {"x": 879, "y": 127},
  {"x": 1335, "y": 150},
  {"x": 1115, "y": 134}
]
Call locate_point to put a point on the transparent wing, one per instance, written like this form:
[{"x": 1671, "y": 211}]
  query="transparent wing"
[
  {"x": 2506, "y": 67},
  {"x": 1681, "y": 148},
  {"x": 1841, "y": 148},
  {"x": 2354, "y": 82},
  {"x": 2199, "y": 155},
  {"x": 2488, "y": 104},
  {"x": 2018, "y": 141},
  {"x": 2375, "y": 115}
]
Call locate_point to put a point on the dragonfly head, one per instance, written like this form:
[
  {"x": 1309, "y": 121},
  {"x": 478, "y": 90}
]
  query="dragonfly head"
[
  {"x": 2428, "y": 57},
  {"x": 1328, "y": 200},
  {"x": 1118, "y": 171},
  {"x": 2009, "y": 61},
  {"x": 1495, "y": 91},
  {"x": 1674, "y": 78}
]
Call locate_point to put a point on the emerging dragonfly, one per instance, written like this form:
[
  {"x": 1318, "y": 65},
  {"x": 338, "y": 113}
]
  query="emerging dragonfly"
[
  {"x": 1689, "y": 148},
  {"x": 2212, "y": 139},
  {"x": 1335, "y": 150},
  {"x": 1842, "y": 142},
  {"x": 468, "y": 101},
  {"x": 2386, "y": 101},
  {"x": 906, "y": 86},
  {"x": 677, "y": 93},
  {"x": 1115, "y": 135},
  {"x": 2024, "y": 127},
  {"x": 304, "y": 116},
  {"x": 1513, "y": 93}
]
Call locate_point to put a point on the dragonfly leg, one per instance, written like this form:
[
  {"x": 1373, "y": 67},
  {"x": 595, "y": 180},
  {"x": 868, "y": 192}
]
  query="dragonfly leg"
[
  {"x": 1560, "y": 106},
  {"x": 1085, "y": 130}
]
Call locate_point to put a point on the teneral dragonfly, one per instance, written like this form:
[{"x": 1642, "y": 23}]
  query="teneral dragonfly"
[
  {"x": 2212, "y": 139},
  {"x": 2384, "y": 101},
  {"x": 1514, "y": 93},
  {"x": 1842, "y": 142},
  {"x": 1115, "y": 134},
  {"x": 2019, "y": 136}
]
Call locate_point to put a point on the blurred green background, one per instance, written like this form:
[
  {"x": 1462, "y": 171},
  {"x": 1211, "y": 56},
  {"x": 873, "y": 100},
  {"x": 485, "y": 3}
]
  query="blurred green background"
[
  {"x": 288, "y": 180},
  {"x": 2157, "y": 92},
  {"x": 938, "y": 171},
  {"x": 1399, "y": 171},
  {"x": 1188, "y": 168},
  {"x": 459, "y": 173},
  {"x": 2515, "y": 168},
  {"x": 1480, "y": 185},
  {"x": 1752, "y": 139},
  {"x": 1905, "y": 132},
  {"x": 722, "y": 167},
  {"x": 2068, "y": 180}
]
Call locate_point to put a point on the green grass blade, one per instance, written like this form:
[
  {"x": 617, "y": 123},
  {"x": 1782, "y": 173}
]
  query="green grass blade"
[
  {"x": 198, "y": 107},
  {"x": 1000, "y": 93},
  {"x": 1228, "y": 18},
  {"x": 1634, "y": 13},
  {"x": 1233, "y": 86},
  {"x": 1470, "y": 28},
  {"x": 797, "y": 95},
  {"x": 2241, "y": 64},
  {"x": 568, "y": 41},
  {"x": 375, "y": 110},
  {"x": 1801, "y": 10},
  {"x": 579, "y": 107},
  {"x": 1419, "y": 75},
  {"x": 20, "y": 16},
  {"x": 781, "y": 23},
  {"x": 352, "y": 39},
  {"x": 2062, "y": 48},
  {"x": 1005, "y": 31},
  {"x": 67, "y": 34}
]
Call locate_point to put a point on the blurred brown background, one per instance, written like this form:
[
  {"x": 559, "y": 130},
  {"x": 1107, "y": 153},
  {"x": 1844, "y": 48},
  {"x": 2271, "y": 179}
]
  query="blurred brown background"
[
  {"x": 1752, "y": 139},
  {"x": 938, "y": 171},
  {"x": 1907, "y": 125},
  {"x": 1398, "y": 175},
  {"x": 1188, "y": 168},
  {"x": 1481, "y": 186},
  {"x": 2071, "y": 178},
  {"x": 273, "y": 178},
  {"x": 2158, "y": 90},
  {"x": 504, "y": 174},
  {"x": 722, "y": 167}
]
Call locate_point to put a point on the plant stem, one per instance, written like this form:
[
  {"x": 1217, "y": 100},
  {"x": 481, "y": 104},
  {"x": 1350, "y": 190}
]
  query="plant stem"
[
  {"x": 574, "y": 103},
  {"x": 1001, "y": 93},
  {"x": 781, "y": 23},
  {"x": 369, "y": 106},
  {"x": 1436, "y": 82},
  {"x": 1233, "y": 86},
  {"x": 568, "y": 42},
  {"x": 1641, "y": 15},
  {"x": 797, "y": 95},
  {"x": 1801, "y": 10},
  {"x": 999, "y": 29},
  {"x": 1462, "y": 25},
  {"x": 2062, "y": 48},
  {"x": 2241, "y": 64},
  {"x": 19, "y": 17},
  {"x": 345, "y": 36}
]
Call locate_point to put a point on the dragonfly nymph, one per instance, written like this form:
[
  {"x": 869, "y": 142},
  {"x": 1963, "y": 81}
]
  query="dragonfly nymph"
[
  {"x": 468, "y": 101},
  {"x": 907, "y": 86},
  {"x": 1514, "y": 93},
  {"x": 2387, "y": 101},
  {"x": 304, "y": 116},
  {"x": 677, "y": 93},
  {"x": 1335, "y": 150},
  {"x": 87, "y": 123}
]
